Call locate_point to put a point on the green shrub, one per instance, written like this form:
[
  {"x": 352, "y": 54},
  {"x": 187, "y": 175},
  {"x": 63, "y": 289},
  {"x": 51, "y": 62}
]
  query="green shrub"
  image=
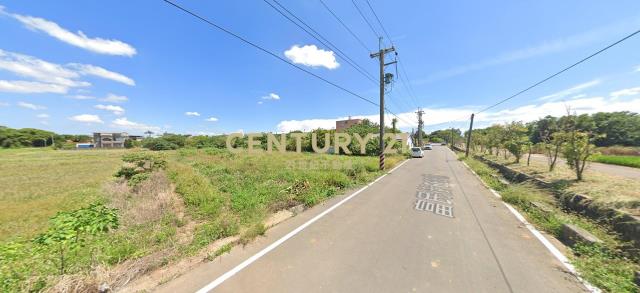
[
  {"x": 136, "y": 179},
  {"x": 69, "y": 230},
  {"x": 139, "y": 165},
  {"x": 209, "y": 232},
  {"x": 159, "y": 144}
]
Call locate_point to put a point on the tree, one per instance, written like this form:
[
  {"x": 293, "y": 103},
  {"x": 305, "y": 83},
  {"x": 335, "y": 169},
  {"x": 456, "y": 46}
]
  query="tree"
[
  {"x": 577, "y": 144},
  {"x": 577, "y": 150},
  {"x": 515, "y": 139},
  {"x": 394, "y": 123}
]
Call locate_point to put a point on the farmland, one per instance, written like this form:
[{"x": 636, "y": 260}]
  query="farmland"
[
  {"x": 37, "y": 183},
  {"x": 629, "y": 161},
  {"x": 217, "y": 194}
]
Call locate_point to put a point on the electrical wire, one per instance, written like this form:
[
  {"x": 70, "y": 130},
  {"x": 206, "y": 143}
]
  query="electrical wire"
[
  {"x": 561, "y": 71},
  {"x": 201, "y": 18},
  {"x": 365, "y": 19},
  {"x": 337, "y": 50},
  {"x": 345, "y": 26}
]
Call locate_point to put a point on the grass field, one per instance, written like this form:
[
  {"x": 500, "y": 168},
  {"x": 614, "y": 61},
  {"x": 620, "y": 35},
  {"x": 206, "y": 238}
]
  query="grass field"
[
  {"x": 622, "y": 193},
  {"x": 629, "y": 161},
  {"x": 217, "y": 194},
  {"x": 37, "y": 183}
]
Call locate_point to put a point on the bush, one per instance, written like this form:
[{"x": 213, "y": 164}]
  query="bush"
[
  {"x": 159, "y": 144},
  {"x": 139, "y": 166}
]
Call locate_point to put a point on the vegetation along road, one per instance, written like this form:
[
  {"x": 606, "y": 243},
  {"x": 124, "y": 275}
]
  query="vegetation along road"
[{"x": 428, "y": 226}]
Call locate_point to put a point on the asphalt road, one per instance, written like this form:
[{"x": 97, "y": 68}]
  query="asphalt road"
[
  {"x": 616, "y": 170},
  {"x": 455, "y": 236}
]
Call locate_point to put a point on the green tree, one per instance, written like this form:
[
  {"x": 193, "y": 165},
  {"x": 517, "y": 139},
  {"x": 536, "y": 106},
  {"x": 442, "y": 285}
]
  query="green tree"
[{"x": 515, "y": 139}]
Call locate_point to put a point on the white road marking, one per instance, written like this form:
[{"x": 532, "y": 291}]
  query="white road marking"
[
  {"x": 556, "y": 253},
  {"x": 284, "y": 238}
]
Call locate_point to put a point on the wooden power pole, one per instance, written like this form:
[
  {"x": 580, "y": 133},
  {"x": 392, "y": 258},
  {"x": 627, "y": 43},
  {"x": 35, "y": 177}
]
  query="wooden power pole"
[
  {"x": 420, "y": 126},
  {"x": 466, "y": 153},
  {"x": 380, "y": 56}
]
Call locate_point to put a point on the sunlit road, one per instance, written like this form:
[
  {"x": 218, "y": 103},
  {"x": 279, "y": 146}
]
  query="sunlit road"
[{"x": 429, "y": 226}]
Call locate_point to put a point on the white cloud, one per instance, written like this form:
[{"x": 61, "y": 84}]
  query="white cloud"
[
  {"x": 212, "y": 119},
  {"x": 116, "y": 110},
  {"x": 638, "y": 68},
  {"x": 192, "y": 113},
  {"x": 87, "y": 69},
  {"x": 440, "y": 118},
  {"x": 82, "y": 97},
  {"x": 50, "y": 77},
  {"x": 271, "y": 96},
  {"x": 31, "y": 106},
  {"x": 34, "y": 87},
  {"x": 28, "y": 66},
  {"x": 570, "y": 91},
  {"x": 260, "y": 102},
  {"x": 4, "y": 104},
  {"x": 115, "y": 99},
  {"x": 79, "y": 39},
  {"x": 124, "y": 123},
  {"x": 626, "y": 92},
  {"x": 43, "y": 116},
  {"x": 310, "y": 55},
  {"x": 86, "y": 118}
]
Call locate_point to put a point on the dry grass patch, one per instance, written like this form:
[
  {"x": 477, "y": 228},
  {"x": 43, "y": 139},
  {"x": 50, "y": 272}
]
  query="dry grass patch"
[{"x": 615, "y": 191}]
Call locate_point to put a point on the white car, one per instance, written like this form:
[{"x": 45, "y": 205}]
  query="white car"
[
  {"x": 417, "y": 152},
  {"x": 427, "y": 147}
]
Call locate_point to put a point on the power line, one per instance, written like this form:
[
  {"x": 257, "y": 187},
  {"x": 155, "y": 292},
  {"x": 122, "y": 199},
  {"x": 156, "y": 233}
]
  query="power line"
[
  {"x": 365, "y": 19},
  {"x": 404, "y": 79},
  {"x": 379, "y": 22},
  {"x": 273, "y": 54},
  {"x": 346, "y": 27},
  {"x": 339, "y": 52},
  {"x": 561, "y": 71}
]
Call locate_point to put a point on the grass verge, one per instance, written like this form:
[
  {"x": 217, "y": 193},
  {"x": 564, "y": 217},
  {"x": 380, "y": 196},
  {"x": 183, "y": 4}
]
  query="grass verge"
[
  {"x": 604, "y": 266},
  {"x": 609, "y": 190}
]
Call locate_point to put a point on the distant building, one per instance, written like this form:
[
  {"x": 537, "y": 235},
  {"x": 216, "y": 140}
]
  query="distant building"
[
  {"x": 341, "y": 125},
  {"x": 109, "y": 139},
  {"x": 84, "y": 145},
  {"x": 136, "y": 137}
]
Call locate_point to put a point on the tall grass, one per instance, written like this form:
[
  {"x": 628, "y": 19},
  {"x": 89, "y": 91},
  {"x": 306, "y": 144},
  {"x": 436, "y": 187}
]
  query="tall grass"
[{"x": 234, "y": 192}]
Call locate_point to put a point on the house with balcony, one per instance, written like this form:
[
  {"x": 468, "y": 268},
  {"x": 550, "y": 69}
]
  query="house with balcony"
[{"x": 109, "y": 139}]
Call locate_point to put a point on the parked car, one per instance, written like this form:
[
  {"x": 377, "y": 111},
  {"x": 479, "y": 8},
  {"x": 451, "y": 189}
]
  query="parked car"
[
  {"x": 427, "y": 147},
  {"x": 417, "y": 152}
]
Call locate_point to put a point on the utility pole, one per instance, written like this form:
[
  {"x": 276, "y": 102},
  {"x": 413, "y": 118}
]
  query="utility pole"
[
  {"x": 420, "y": 125},
  {"x": 380, "y": 56},
  {"x": 451, "y": 137},
  {"x": 466, "y": 153}
]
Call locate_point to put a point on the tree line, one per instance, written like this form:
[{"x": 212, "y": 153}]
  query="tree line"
[
  {"x": 572, "y": 136},
  {"x": 31, "y": 137}
]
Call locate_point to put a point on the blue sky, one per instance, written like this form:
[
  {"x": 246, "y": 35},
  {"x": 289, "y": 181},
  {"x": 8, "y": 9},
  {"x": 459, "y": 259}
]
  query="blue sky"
[{"x": 84, "y": 66}]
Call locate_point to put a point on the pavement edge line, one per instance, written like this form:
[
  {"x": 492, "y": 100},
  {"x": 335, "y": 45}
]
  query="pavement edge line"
[
  {"x": 215, "y": 283},
  {"x": 554, "y": 251}
]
